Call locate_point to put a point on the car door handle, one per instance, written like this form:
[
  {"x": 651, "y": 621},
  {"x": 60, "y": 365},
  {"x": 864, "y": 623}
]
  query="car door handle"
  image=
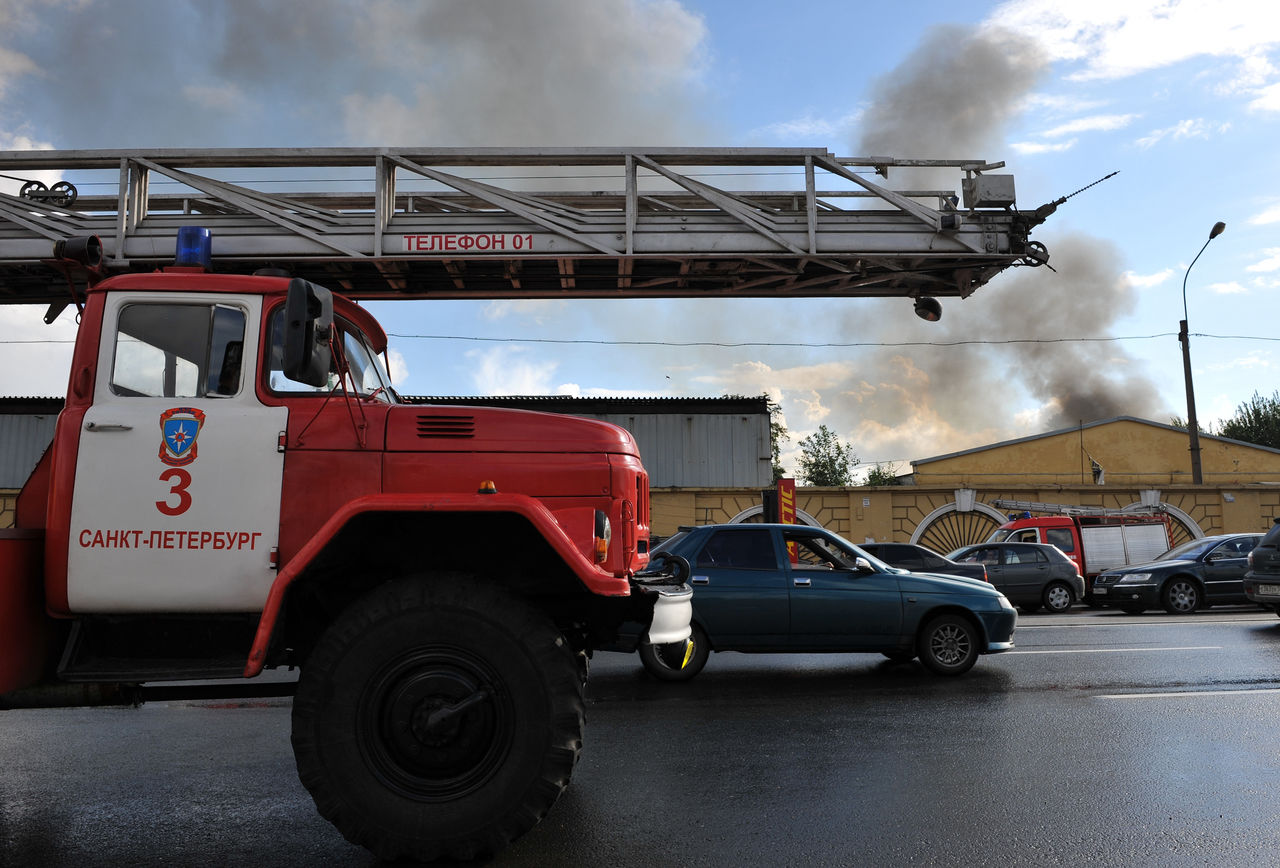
[
  {"x": 699, "y": 580},
  {"x": 803, "y": 583},
  {"x": 107, "y": 426}
]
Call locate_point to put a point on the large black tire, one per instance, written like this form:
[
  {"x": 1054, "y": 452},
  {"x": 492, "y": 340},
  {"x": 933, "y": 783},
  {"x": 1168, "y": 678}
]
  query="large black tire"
[
  {"x": 438, "y": 718},
  {"x": 1058, "y": 598},
  {"x": 1181, "y": 596},
  {"x": 948, "y": 645},
  {"x": 663, "y": 661}
]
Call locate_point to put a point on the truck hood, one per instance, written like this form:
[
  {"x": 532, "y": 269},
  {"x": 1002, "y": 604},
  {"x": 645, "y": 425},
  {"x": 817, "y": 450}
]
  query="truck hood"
[{"x": 449, "y": 428}]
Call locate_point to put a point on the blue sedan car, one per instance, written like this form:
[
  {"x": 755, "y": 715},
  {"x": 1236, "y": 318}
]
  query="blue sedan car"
[{"x": 781, "y": 587}]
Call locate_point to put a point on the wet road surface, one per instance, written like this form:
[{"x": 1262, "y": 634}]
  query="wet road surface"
[{"x": 1103, "y": 739}]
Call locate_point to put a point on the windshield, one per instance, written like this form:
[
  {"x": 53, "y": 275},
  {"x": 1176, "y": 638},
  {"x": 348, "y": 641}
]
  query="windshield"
[
  {"x": 998, "y": 535},
  {"x": 1189, "y": 550},
  {"x": 366, "y": 374}
]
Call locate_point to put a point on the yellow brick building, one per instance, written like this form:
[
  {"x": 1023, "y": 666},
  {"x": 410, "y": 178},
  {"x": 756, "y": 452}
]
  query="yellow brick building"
[{"x": 1116, "y": 463}]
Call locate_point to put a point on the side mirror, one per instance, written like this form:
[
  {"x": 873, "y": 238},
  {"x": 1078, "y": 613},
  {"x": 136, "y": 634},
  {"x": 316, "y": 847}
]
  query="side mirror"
[
  {"x": 308, "y": 323},
  {"x": 862, "y": 565}
]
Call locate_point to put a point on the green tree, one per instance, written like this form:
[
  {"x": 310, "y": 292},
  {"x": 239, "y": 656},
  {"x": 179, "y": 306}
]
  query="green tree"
[
  {"x": 1256, "y": 421},
  {"x": 824, "y": 460},
  {"x": 885, "y": 473},
  {"x": 777, "y": 433}
]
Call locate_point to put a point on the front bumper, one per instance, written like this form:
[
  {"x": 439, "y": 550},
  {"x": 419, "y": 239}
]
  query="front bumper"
[
  {"x": 1114, "y": 593},
  {"x": 999, "y": 626},
  {"x": 672, "y": 613}
]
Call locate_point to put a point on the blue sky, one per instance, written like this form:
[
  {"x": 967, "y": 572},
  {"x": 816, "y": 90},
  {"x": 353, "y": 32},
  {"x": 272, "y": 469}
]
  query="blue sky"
[{"x": 1182, "y": 99}]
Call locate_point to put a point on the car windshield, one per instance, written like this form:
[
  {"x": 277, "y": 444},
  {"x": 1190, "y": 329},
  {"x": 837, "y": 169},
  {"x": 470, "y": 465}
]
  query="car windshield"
[
  {"x": 1189, "y": 550},
  {"x": 997, "y": 535}
]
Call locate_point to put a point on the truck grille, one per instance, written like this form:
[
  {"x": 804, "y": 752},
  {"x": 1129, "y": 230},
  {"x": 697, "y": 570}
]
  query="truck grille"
[{"x": 450, "y": 427}]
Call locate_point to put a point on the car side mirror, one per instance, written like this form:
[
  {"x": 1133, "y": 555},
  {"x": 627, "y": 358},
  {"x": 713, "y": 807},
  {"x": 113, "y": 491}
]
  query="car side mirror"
[
  {"x": 862, "y": 565},
  {"x": 308, "y": 323}
]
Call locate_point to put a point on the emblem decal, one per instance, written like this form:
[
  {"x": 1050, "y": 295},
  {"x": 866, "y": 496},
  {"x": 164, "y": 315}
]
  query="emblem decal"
[{"x": 179, "y": 428}]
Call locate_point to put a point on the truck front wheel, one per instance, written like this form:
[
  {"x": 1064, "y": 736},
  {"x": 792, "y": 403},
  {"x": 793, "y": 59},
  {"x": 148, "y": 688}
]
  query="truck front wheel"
[{"x": 438, "y": 718}]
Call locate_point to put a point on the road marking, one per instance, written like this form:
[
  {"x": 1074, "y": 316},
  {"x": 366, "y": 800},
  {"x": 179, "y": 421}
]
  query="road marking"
[
  {"x": 1188, "y": 693},
  {"x": 1128, "y": 624},
  {"x": 1116, "y": 650}
]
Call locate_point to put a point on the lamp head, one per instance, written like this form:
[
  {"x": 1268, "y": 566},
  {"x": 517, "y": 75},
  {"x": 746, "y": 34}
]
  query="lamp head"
[
  {"x": 1218, "y": 229},
  {"x": 928, "y": 308}
]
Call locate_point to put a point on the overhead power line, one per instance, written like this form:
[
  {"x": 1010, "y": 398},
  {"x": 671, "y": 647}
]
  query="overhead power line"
[{"x": 779, "y": 344}]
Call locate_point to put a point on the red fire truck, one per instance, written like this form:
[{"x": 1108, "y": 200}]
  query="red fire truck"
[
  {"x": 1095, "y": 538},
  {"x": 233, "y": 486}
]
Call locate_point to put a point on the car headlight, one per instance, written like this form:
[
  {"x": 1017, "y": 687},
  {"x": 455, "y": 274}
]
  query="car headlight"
[
  {"x": 1004, "y": 602},
  {"x": 1133, "y": 578}
]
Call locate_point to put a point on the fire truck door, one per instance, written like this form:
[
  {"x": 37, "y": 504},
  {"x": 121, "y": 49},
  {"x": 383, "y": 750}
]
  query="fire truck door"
[{"x": 176, "y": 505}]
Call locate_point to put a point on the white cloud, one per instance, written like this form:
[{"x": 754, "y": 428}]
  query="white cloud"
[
  {"x": 1254, "y": 361},
  {"x": 502, "y": 371},
  {"x": 1028, "y": 148},
  {"x": 16, "y": 142},
  {"x": 1192, "y": 128},
  {"x": 1091, "y": 124},
  {"x": 35, "y": 358},
  {"x": 809, "y": 128},
  {"x": 1113, "y": 39},
  {"x": 398, "y": 368},
  {"x": 1271, "y": 263},
  {"x": 1269, "y": 215},
  {"x": 1146, "y": 281},
  {"x": 1267, "y": 99},
  {"x": 1254, "y": 72},
  {"x": 1059, "y": 104},
  {"x": 1231, "y": 287},
  {"x": 538, "y": 310}
]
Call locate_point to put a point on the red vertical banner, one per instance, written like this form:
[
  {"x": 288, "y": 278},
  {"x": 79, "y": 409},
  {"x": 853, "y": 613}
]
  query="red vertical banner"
[{"x": 787, "y": 510}]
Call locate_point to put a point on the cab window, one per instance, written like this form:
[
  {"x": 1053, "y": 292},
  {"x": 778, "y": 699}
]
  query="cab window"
[
  {"x": 367, "y": 376},
  {"x": 1061, "y": 537},
  {"x": 178, "y": 351}
]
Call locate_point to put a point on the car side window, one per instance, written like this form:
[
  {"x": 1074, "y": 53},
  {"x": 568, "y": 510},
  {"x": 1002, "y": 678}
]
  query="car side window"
[
  {"x": 1060, "y": 537},
  {"x": 814, "y": 553},
  {"x": 748, "y": 549}
]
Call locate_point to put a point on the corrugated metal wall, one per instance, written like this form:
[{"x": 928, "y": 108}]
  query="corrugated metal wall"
[
  {"x": 700, "y": 450},
  {"x": 23, "y": 440},
  {"x": 684, "y": 442}
]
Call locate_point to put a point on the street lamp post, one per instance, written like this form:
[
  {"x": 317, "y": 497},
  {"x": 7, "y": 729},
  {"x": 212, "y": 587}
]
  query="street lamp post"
[{"x": 1193, "y": 427}]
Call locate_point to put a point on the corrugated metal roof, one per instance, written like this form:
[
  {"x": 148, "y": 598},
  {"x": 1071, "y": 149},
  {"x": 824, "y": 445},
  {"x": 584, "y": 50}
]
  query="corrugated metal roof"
[{"x": 23, "y": 438}]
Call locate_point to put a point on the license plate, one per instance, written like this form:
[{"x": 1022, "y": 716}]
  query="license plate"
[
  {"x": 1269, "y": 590},
  {"x": 1099, "y": 592}
]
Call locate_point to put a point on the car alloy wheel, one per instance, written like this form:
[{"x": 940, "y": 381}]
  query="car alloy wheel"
[{"x": 1181, "y": 597}]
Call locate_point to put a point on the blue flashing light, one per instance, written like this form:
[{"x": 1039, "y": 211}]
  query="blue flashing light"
[{"x": 195, "y": 247}]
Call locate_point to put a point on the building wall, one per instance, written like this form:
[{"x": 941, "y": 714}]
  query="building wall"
[
  {"x": 1132, "y": 452},
  {"x": 896, "y": 513}
]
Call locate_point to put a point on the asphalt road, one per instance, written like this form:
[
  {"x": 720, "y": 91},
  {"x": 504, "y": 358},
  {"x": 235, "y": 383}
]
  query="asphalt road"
[{"x": 1102, "y": 739}]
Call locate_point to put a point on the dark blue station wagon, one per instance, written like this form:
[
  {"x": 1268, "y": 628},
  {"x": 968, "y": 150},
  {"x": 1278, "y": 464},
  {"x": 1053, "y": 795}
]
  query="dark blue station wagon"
[{"x": 780, "y": 587}]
